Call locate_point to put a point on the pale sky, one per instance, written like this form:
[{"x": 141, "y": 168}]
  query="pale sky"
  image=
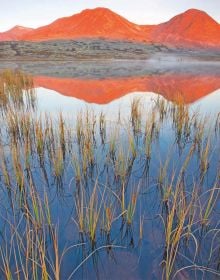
[{"x": 35, "y": 13}]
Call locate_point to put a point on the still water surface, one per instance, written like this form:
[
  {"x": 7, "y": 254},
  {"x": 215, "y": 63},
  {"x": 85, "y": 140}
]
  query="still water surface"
[{"x": 136, "y": 250}]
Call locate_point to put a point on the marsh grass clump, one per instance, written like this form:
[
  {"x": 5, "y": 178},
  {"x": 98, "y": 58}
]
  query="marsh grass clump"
[
  {"x": 151, "y": 131},
  {"x": 86, "y": 141},
  {"x": 162, "y": 106},
  {"x": 93, "y": 214},
  {"x": 18, "y": 168},
  {"x": 132, "y": 206},
  {"x": 88, "y": 210},
  {"x": 113, "y": 138},
  {"x": 210, "y": 203},
  {"x": 77, "y": 168},
  {"x": 175, "y": 227},
  {"x": 58, "y": 163},
  {"x": 181, "y": 120},
  {"x": 123, "y": 165},
  {"x": 4, "y": 169},
  {"x": 40, "y": 140},
  {"x": 102, "y": 127},
  {"x": 199, "y": 128},
  {"x": 136, "y": 115},
  {"x": 204, "y": 157},
  {"x": 16, "y": 91},
  {"x": 62, "y": 135},
  {"x": 108, "y": 219}
]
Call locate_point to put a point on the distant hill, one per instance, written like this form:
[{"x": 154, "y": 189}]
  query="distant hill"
[
  {"x": 15, "y": 33},
  {"x": 193, "y": 28}
]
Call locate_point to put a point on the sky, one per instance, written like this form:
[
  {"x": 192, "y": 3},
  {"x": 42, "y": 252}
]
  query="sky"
[{"x": 35, "y": 13}]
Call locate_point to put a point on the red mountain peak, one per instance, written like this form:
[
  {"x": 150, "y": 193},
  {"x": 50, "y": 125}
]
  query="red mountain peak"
[
  {"x": 194, "y": 19},
  {"x": 198, "y": 13},
  {"x": 19, "y": 30},
  {"x": 193, "y": 27},
  {"x": 14, "y": 33},
  {"x": 90, "y": 23}
]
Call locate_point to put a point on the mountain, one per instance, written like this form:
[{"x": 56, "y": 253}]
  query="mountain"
[
  {"x": 191, "y": 28},
  {"x": 90, "y": 23},
  {"x": 14, "y": 33},
  {"x": 189, "y": 88}
]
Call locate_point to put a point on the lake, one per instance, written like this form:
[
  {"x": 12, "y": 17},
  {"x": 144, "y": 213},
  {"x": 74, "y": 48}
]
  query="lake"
[{"x": 110, "y": 170}]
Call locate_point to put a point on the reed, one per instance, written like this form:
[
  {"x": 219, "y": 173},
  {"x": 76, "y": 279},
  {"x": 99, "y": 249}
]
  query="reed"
[
  {"x": 112, "y": 143},
  {"x": 6, "y": 264},
  {"x": 16, "y": 91},
  {"x": 181, "y": 120},
  {"x": 217, "y": 124},
  {"x": 62, "y": 135},
  {"x": 18, "y": 169},
  {"x": 93, "y": 214},
  {"x": 108, "y": 219},
  {"x": 131, "y": 207},
  {"x": 77, "y": 168},
  {"x": 58, "y": 163},
  {"x": 162, "y": 106},
  {"x": 204, "y": 157},
  {"x": 209, "y": 206},
  {"x": 141, "y": 227},
  {"x": 80, "y": 207},
  {"x": 136, "y": 115},
  {"x": 102, "y": 127},
  {"x": 174, "y": 229},
  {"x": 39, "y": 138},
  {"x": 4, "y": 169}
]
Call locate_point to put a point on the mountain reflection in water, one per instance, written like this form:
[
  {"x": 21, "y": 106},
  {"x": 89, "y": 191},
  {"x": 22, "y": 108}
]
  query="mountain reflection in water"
[{"x": 188, "y": 87}]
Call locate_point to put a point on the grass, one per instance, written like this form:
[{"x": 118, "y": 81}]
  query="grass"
[
  {"x": 99, "y": 167},
  {"x": 132, "y": 206},
  {"x": 136, "y": 115},
  {"x": 174, "y": 228}
]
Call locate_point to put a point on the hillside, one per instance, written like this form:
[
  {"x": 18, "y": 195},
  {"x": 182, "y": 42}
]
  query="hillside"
[
  {"x": 192, "y": 28},
  {"x": 14, "y": 33},
  {"x": 90, "y": 23}
]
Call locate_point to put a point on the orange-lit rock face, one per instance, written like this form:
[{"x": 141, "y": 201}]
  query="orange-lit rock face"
[
  {"x": 14, "y": 34},
  {"x": 190, "y": 88},
  {"x": 193, "y": 27},
  {"x": 99, "y": 22}
]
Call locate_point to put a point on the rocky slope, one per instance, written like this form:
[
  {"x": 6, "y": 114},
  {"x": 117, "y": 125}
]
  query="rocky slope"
[
  {"x": 90, "y": 23},
  {"x": 15, "y": 33},
  {"x": 193, "y": 28}
]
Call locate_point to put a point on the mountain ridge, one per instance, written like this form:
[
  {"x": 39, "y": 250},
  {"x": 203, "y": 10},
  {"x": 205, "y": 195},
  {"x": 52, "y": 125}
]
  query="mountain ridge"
[
  {"x": 192, "y": 28},
  {"x": 90, "y": 23}
]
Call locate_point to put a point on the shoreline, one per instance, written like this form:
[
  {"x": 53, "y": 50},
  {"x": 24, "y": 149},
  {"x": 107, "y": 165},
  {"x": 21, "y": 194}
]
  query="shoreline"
[{"x": 96, "y": 49}]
